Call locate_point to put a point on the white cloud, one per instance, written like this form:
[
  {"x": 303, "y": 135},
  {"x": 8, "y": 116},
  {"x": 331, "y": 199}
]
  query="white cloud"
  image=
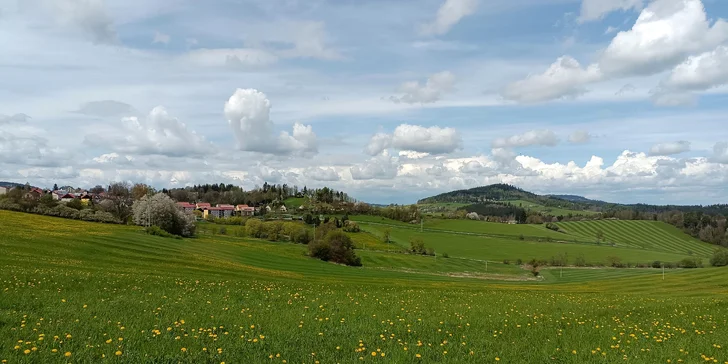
[
  {"x": 596, "y": 9},
  {"x": 580, "y": 137},
  {"x": 322, "y": 174},
  {"x": 158, "y": 133},
  {"x": 114, "y": 158},
  {"x": 381, "y": 167},
  {"x": 700, "y": 72},
  {"x": 409, "y": 154},
  {"x": 161, "y": 38},
  {"x": 663, "y": 35},
  {"x": 248, "y": 113},
  {"x": 415, "y": 138},
  {"x": 432, "y": 91},
  {"x": 565, "y": 78},
  {"x": 17, "y": 118},
  {"x": 309, "y": 40},
  {"x": 670, "y": 148},
  {"x": 668, "y": 98},
  {"x": 449, "y": 14},
  {"x": 533, "y": 137},
  {"x": 29, "y": 151},
  {"x": 720, "y": 153},
  {"x": 610, "y": 29}
]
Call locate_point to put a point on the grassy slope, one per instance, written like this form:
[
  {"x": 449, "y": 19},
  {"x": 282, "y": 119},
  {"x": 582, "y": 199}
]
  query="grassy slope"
[
  {"x": 226, "y": 299},
  {"x": 295, "y": 202},
  {"x": 651, "y": 235}
]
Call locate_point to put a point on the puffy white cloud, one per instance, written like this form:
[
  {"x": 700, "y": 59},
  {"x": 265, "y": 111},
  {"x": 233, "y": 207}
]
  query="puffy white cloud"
[
  {"x": 596, "y": 9},
  {"x": 409, "y": 154},
  {"x": 413, "y": 92},
  {"x": 380, "y": 167},
  {"x": 449, "y": 14},
  {"x": 720, "y": 153},
  {"x": 670, "y": 148},
  {"x": 114, "y": 158},
  {"x": 579, "y": 137},
  {"x": 17, "y": 118},
  {"x": 322, "y": 174},
  {"x": 161, "y": 38},
  {"x": 248, "y": 113},
  {"x": 542, "y": 137},
  {"x": 565, "y": 78},
  {"x": 415, "y": 138},
  {"x": 700, "y": 72},
  {"x": 665, "y": 32},
  {"x": 158, "y": 133}
]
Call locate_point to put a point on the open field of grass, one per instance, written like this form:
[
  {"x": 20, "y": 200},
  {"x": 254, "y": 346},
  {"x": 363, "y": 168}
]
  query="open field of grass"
[
  {"x": 556, "y": 211},
  {"x": 90, "y": 293},
  {"x": 293, "y": 203},
  {"x": 651, "y": 235}
]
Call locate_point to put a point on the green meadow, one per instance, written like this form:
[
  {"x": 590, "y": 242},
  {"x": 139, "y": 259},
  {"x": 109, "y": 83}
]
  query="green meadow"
[{"x": 78, "y": 292}]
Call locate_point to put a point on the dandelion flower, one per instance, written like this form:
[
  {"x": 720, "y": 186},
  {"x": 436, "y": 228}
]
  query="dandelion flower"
[
  {"x": 67, "y": 354},
  {"x": 118, "y": 353}
]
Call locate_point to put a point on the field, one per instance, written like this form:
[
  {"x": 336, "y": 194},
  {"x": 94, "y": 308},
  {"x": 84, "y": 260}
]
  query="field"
[
  {"x": 631, "y": 241},
  {"x": 83, "y": 292}
]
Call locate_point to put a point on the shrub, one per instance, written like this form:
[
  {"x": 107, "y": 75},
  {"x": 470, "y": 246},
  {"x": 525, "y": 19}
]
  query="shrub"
[
  {"x": 552, "y": 226},
  {"x": 521, "y": 237},
  {"x": 719, "y": 258},
  {"x": 445, "y": 255},
  {"x": 506, "y": 261},
  {"x": 223, "y": 231},
  {"x": 157, "y": 231},
  {"x": 336, "y": 247},
  {"x": 75, "y": 204},
  {"x": 254, "y": 228},
  {"x": 519, "y": 261},
  {"x": 614, "y": 262},
  {"x": 657, "y": 264},
  {"x": 351, "y": 226},
  {"x": 162, "y": 211},
  {"x": 691, "y": 263},
  {"x": 580, "y": 261},
  {"x": 302, "y": 236}
]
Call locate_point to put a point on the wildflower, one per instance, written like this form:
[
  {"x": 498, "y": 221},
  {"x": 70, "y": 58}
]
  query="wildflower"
[
  {"x": 374, "y": 353},
  {"x": 418, "y": 355},
  {"x": 67, "y": 354},
  {"x": 184, "y": 350},
  {"x": 26, "y": 352},
  {"x": 118, "y": 353}
]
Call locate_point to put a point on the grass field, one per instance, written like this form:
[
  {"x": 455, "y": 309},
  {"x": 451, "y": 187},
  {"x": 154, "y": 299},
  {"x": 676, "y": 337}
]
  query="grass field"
[
  {"x": 81, "y": 292},
  {"x": 293, "y": 203}
]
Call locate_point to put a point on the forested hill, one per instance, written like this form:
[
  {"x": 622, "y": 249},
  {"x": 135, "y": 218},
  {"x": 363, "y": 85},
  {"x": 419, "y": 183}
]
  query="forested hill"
[{"x": 502, "y": 192}]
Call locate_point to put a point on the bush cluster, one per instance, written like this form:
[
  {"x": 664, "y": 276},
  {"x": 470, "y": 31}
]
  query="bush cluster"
[
  {"x": 336, "y": 247},
  {"x": 156, "y": 230},
  {"x": 720, "y": 258}
]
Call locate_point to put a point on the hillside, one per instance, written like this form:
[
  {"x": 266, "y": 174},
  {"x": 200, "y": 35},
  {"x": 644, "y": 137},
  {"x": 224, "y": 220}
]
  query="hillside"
[{"x": 74, "y": 291}]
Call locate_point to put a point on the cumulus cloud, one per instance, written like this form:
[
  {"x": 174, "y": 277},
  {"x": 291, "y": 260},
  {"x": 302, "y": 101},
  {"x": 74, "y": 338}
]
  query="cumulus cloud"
[
  {"x": 596, "y": 9},
  {"x": 29, "y": 151},
  {"x": 670, "y": 148},
  {"x": 665, "y": 32},
  {"x": 413, "y": 92},
  {"x": 17, "y": 118},
  {"x": 415, "y": 138},
  {"x": 322, "y": 174},
  {"x": 158, "y": 133},
  {"x": 449, "y": 14},
  {"x": 565, "y": 78},
  {"x": 248, "y": 113},
  {"x": 579, "y": 137},
  {"x": 381, "y": 167},
  {"x": 114, "y": 158},
  {"x": 106, "y": 108},
  {"x": 700, "y": 72},
  {"x": 161, "y": 38},
  {"x": 534, "y": 137}
]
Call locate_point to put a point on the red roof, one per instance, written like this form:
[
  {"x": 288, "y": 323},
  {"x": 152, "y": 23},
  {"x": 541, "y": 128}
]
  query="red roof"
[
  {"x": 225, "y": 205},
  {"x": 220, "y": 208},
  {"x": 241, "y": 206},
  {"x": 203, "y": 205},
  {"x": 186, "y": 205}
]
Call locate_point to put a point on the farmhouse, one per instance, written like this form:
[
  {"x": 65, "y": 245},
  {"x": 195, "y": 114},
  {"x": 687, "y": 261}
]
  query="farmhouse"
[
  {"x": 33, "y": 194},
  {"x": 186, "y": 206},
  {"x": 67, "y": 197},
  {"x": 203, "y": 205},
  {"x": 245, "y": 210}
]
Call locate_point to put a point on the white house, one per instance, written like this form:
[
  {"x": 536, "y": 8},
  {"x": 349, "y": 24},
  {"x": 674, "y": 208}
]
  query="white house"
[{"x": 3, "y": 190}]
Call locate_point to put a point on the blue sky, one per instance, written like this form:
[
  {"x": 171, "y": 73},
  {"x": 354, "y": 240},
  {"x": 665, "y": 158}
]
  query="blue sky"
[{"x": 620, "y": 100}]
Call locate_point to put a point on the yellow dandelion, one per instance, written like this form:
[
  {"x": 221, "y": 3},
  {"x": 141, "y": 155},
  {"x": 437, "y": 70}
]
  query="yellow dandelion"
[
  {"x": 67, "y": 354},
  {"x": 26, "y": 351},
  {"x": 374, "y": 353},
  {"x": 184, "y": 350},
  {"x": 118, "y": 353}
]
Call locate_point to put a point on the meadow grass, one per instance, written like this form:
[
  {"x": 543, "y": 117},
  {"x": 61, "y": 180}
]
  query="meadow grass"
[
  {"x": 555, "y": 211},
  {"x": 81, "y": 292}
]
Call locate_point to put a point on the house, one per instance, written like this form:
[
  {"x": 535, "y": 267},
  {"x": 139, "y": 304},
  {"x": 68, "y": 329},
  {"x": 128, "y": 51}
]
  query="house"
[
  {"x": 3, "y": 190},
  {"x": 218, "y": 212},
  {"x": 57, "y": 194},
  {"x": 283, "y": 209},
  {"x": 34, "y": 194},
  {"x": 85, "y": 199},
  {"x": 67, "y": 197},
  {"x": 186, "y": 206},
  {"x": 267, "y": 209},
  {"x": 203, "y": 205},
  {"x": 245, "y": 210}
]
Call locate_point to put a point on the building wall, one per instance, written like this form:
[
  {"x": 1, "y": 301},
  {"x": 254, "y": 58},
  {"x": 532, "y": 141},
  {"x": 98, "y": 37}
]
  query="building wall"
[{"x": 3, "y": 190}]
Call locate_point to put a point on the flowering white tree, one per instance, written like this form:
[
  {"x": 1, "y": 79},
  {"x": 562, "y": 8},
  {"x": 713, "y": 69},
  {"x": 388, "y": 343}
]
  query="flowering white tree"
[{"x": 162, "y": 211}]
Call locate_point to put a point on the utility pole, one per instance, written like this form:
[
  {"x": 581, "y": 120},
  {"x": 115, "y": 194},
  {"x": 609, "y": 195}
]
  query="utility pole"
[
  {"x": 663, "y": 271},
  {"x": 486, "y": 266},
  {"x": 421, "y": 223},
  {"x": 561, "y": 271}
]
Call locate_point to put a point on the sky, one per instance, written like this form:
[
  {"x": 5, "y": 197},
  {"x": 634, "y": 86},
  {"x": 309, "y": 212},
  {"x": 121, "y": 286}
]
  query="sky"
[{"x": 390, "y": 101}]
